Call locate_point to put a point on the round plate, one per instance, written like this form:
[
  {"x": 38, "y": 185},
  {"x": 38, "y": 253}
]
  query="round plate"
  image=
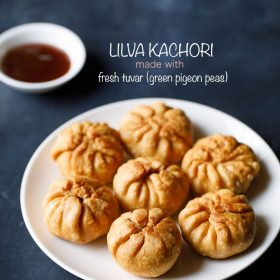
[{"x": 93, "y": 261}]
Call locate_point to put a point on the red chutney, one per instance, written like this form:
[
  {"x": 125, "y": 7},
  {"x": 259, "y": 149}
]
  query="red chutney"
[{"x": 35, "y": 63}]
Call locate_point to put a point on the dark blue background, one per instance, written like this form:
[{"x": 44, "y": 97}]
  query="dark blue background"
[{"x": 246, "y": 37}]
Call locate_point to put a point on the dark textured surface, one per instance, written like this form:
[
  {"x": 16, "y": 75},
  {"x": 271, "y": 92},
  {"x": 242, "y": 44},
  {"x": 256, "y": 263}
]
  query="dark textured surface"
[{"x": 246, "y": 35}]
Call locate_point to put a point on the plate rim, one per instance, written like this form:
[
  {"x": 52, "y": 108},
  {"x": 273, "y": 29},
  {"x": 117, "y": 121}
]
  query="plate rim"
[{"x": 98, "y": 109}]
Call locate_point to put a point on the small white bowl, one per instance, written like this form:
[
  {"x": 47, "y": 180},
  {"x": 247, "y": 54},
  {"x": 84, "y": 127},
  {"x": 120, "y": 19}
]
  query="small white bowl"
[{"x": 43, "y": 33}]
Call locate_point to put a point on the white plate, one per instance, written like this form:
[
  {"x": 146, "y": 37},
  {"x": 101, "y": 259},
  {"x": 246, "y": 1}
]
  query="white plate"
[{"x": 93, "y": 261}]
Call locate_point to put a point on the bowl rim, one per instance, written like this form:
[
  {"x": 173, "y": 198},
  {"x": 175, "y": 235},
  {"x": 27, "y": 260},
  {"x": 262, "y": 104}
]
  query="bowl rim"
[{"x": 16, "y": 31}]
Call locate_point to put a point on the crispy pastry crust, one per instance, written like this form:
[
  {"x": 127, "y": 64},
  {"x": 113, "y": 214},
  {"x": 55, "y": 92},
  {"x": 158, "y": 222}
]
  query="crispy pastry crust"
[
  {"x": 89, "y": 149},
  {"x": 218, "y": 225},
  {"x": 218, "y": 162},
  {"x": 147, "y": 183},
  {"x": 79, "y": 209},
  {"x": 157, "y": 130},
  {"x": 144, "y": 242}
]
